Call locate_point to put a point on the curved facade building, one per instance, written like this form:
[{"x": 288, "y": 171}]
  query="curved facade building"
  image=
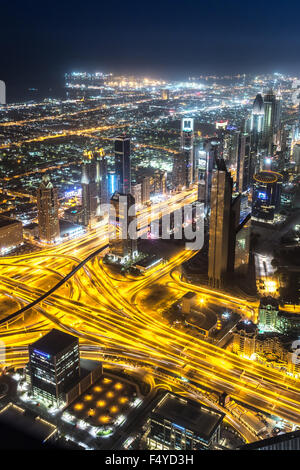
[{"x": 266, "y": 195}]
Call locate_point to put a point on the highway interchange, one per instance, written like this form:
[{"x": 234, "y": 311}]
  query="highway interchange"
[{"x": 106, "y": 313}]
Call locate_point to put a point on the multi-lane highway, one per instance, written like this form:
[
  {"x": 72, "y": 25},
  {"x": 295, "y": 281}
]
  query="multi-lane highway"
[{"x": 106, "y": 313}]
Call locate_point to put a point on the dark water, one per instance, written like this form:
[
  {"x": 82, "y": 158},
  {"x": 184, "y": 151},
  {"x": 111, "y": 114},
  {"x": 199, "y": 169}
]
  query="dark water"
[{"x": 33, "y": 94}]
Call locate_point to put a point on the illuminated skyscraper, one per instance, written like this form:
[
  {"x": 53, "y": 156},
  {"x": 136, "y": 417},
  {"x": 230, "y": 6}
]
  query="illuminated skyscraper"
[
  {"x": 184, "y": 161},
  {"x": 267, "y": 187},
  {"x": 165, "y": 94},
  {"x": 220, "y": 224},
  {"x": 211, "y": 149},
  {"x": 257, "y": 118},
  {"x": 242, "y": 246},
  {"x": 272, "y": 116},
  {"x": 94, "y": 184},
  {"x": 122, "y": 217},
  {"x": 122, "y": 164},
  {"x": 245, "y": 164},
  {"x": 47, "y": 204},
  {"x": 136, "y": 191},
  {"x": 146, "y": 187},
  {"x": 160, "y": 182}
]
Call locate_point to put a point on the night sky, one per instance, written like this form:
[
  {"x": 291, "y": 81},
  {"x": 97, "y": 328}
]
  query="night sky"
[{"x": 41, "y": 40}]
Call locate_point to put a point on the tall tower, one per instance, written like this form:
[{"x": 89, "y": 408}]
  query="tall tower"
[
  {"x": 123, "y": 243},
  {"x": 47, "y": 204},
  {"x": 272, "y": 117},
  {"x": 94, "y": 185},
  {"x": 257, "y": 119},
  {"x": 184, "y": 162},
  {"x": 220, "y": 224},
  {"x": 146, "y": 189},
  {"x": 211, "y": 149},
  {"x": 245, "y": 168},
  {"x": 122, "y": 164}
]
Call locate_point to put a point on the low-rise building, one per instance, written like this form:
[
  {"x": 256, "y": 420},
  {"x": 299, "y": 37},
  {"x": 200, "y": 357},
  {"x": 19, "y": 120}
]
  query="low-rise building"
[
  {"x": 183, "y": 424},
  {"x": 11, "y": 234},
  {"x": 244, "y": 338}
]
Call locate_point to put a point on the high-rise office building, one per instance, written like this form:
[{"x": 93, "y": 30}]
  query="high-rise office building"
[
  {"x": 245, "y": 163},
  {"x": 257, "y": 119},
  {"x": 94, "y": 182},
  {"x": 272, "y": 117},
  {"x": 165, "y": 94},
  {"x": 160, "y": 182},
  {"x": 184, "y": 161},
  {"x": 242, "y": 246},
  {"x": 230, "y": 150},
  {"x": 89, "y": 196},
  {"x": 112, "y": 183},
  {"x": 234, "y": 221},
  {"x": 47, "y": 204},
  {"x": 123, "y": 240},
  {"x": 296, "y": 157},
  {"x": 220, "y": 224},
  {"x": 136, "y": 191},
  {"x": 122, "y": 164},
  {"x": 267, "y": 187},
  {"x": 54, "y": 366},
  {"x": 212, "y": 153},
  {"x": 146, "y": 189}
]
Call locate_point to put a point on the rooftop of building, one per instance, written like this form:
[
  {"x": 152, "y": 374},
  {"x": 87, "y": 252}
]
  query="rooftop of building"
[
  {"x": 54, "y": 342},
  {"x": 5, "y": 221},
  {"x": 26, "y": 422},
  {"x": 190, "y": 415},
  {"x": 258, "y": 105},
  {"x": 105, "y": 401},
  {"x": 269, "y": 300},
  {"x": 31, "y": 226},
  {"x": 148, "y": 261},
  {"x": 268, "y": 177},
  {"x": 189, "y": 295},
  {"x": 246, "y": 326},
  {"x": 202, "y": 318},
  {"x": 265, "y": 443},
  {"x": 66, "y": 227}
]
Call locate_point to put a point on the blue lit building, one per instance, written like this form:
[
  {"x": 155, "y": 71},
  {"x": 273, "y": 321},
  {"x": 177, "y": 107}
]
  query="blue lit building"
[
  {"x": 266, "y": 195},
  {"x": 54, "y": 366},
  {"x": 112, "y": 183}
]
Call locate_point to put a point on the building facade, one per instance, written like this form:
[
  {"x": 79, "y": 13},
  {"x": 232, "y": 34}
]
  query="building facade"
[
  {"x": 122, "y": 219},
  {"x": 11, "y": 234},
  {"x": 47, "y": 204},
  {"x": 123, "y": 164},
  {"x": 184, "y": 161},
  {"x": 220, "y": 224},
  {"x": 182, "y": 424},
  {"x": 54, "y": 365}
]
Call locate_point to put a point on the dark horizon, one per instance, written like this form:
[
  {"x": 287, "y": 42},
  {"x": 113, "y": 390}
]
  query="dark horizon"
[{"x": 172, "y": 40}]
